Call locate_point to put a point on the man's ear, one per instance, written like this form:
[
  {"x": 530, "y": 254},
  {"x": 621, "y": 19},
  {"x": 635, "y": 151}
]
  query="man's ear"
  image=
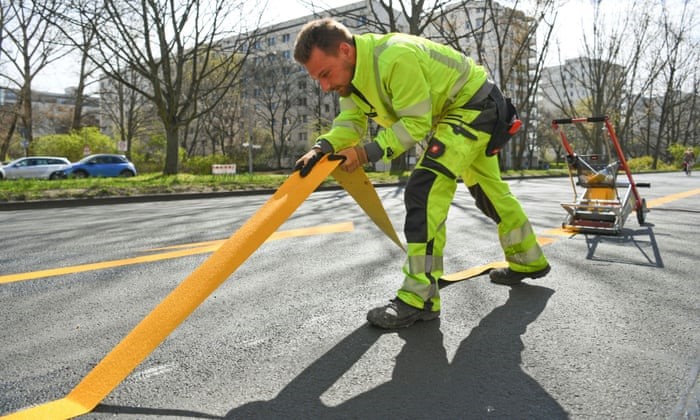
[{"x": 346, "y": 50}]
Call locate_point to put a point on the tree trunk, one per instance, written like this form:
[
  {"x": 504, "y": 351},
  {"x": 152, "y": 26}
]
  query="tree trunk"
[{"x": 172, "y": 149}]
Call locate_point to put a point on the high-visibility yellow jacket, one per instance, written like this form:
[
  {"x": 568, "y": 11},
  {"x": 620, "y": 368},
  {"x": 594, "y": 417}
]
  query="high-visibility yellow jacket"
[{"x": 404, "y": 83}]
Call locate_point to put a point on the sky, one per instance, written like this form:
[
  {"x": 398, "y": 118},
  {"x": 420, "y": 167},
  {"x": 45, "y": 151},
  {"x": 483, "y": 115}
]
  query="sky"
[{"x": 63, "y": 74}]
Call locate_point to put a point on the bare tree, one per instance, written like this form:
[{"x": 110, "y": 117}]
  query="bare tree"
[
  {"x": 613, "y": 75},
  {"x": 126, "y": 109},
  {"x": 79, "y": 37},
  {"x": 275, "y": 80},
  {"x": 224, "y": 127},
  {"x": 173, "y": 47},
  {"x": 679, "y": 55},
  {"x": 29, "y": 44}
]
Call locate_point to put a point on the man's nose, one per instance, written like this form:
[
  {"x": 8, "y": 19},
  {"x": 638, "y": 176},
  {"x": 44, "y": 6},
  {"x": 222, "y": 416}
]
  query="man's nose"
[{"x": 325, "y": 85}]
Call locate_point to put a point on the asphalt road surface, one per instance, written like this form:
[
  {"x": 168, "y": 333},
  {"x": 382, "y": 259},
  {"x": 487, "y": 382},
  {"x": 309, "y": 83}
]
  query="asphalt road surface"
[{"x": 612, "y": 332}]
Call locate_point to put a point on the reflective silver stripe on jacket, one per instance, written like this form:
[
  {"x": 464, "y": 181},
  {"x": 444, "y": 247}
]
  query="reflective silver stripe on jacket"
[
  {"x": 349, "y": 124},
  {"x": 405, "y": 138}
]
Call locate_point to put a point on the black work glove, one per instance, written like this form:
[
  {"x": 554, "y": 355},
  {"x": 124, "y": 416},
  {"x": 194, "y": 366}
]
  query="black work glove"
[{"x": 307, "y": 162}]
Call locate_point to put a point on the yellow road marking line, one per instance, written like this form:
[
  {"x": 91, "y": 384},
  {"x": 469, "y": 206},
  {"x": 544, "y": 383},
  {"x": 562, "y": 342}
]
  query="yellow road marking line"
[
  {"x": 544, "y": 241},
  {"x": 285, "y": 234},
  {"x": 673, "y": 197},
  {"x": 193, "y": 249},
  {"x": 557, "y": 232}
]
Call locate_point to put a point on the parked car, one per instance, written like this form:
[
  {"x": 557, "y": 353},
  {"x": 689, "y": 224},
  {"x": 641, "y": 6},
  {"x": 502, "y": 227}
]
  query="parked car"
[
  {"x": 46, "y": 167},
  {"x": 100, "y": 165}
]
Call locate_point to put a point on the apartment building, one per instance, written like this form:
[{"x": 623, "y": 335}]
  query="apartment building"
[{"x": 52, "y": 112}]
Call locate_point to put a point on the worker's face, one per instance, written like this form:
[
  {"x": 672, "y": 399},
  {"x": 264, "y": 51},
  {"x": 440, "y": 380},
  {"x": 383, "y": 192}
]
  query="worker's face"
[{"x": 333, "y": 72}]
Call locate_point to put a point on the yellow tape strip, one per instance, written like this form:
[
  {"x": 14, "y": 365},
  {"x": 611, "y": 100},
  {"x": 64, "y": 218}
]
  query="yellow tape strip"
[
  {"x": 474, "y": 271},
  {"x": 360, "y": 188},
  {"x": 483, "y": 269},
  {"x": 187, "y": 296},
  {"x": 183, "y": 300}
]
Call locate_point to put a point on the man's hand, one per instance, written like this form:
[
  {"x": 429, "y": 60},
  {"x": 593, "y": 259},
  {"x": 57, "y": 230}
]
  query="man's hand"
[
  {"x": 354, "y": 158},
  {"x": 307, "y": 162}
]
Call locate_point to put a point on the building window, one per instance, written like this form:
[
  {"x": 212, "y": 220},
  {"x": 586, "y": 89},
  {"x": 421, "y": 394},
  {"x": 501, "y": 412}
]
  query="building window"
[
  {"x": 271, "y": 41},
  {"x": 286, "y": 37}
]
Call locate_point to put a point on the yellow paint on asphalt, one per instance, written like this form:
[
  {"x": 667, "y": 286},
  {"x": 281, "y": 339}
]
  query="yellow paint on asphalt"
[
  {"x": 544, "y": 241},
  {"x": 178, "y": 251},
  {"x": 673, "y": 197},
  {"x": 558, "y": 232}
]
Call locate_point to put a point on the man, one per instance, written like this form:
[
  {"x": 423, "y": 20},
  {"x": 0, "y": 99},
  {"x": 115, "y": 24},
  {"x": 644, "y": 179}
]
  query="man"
[{"x": 418, "y": 90}]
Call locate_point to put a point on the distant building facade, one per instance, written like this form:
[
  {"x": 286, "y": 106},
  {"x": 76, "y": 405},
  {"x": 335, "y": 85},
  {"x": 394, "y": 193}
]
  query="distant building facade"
[{"x": 53, "y": 112}]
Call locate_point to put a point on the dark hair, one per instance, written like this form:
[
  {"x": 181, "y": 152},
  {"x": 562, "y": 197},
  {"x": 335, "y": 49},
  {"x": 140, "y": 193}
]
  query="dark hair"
[{"x": 325, "y": 34}]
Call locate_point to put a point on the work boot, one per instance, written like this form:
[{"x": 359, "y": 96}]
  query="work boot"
[
  {"x": 398, "y": 314},
  {"x": 509, "y": 277}
]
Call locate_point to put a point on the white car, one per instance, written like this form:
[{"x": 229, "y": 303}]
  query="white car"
[{"x": 46, "y": 167}]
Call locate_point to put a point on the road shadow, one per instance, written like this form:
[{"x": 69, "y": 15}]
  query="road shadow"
[
  {"x": 642, "y": 239},
  {"x": 145, "y": 411},
  {"x": 484, "y": 379}
]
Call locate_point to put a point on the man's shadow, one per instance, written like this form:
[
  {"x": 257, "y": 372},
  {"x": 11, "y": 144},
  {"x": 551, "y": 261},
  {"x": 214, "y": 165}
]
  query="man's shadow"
[{"x": 483, "y": 380}]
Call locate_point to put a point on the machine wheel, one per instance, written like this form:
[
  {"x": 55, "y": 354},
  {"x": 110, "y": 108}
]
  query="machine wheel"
[{"x": 642, "y": 212}]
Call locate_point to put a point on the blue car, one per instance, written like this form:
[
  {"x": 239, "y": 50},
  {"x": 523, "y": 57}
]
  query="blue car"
[{"x": 104, "y": 165}]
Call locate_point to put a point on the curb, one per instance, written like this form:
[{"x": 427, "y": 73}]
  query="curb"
[{"x": 99, "y": 201}]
